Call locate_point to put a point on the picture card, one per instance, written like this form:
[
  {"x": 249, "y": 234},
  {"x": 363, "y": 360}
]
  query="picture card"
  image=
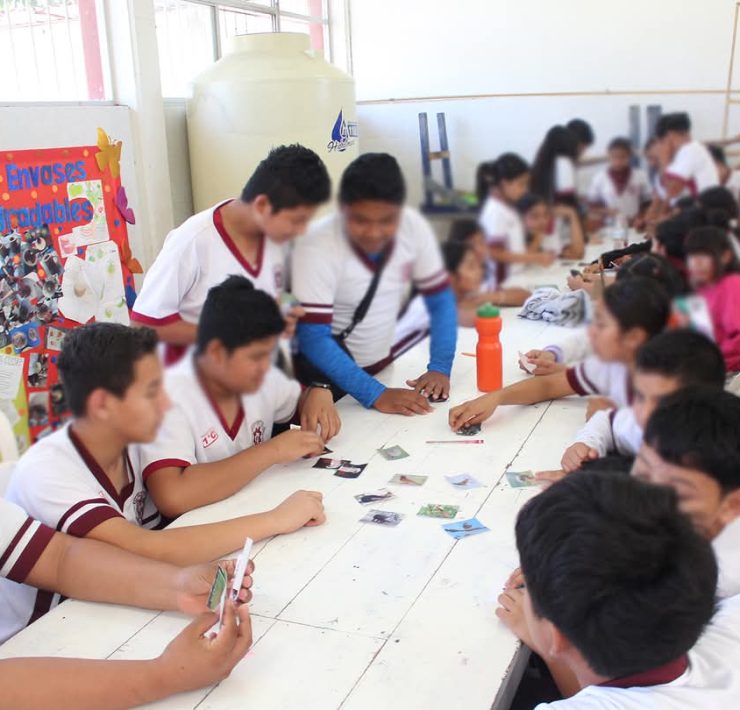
[
  {"x": 469, "y": 430},
  {"x": 521, "y": 479},
  {"x": 330, "y": 463},
  {"x": 350, "y": 470},
  {"x": 326, "y": 450},
  {"x": 526, "y": 364},
  {"x": 436, "y": 510},
  {"x": 465, "y": 528},
  {"x": 393, "y": 453},
  {"x": 382, "y": 517},
  {"x": 374, "y": 496},
  {"x": 403, "y": 479},
  {"x": 464, "y": 480}
]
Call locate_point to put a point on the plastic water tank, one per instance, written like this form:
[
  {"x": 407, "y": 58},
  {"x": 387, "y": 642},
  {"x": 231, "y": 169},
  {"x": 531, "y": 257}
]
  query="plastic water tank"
[{"x": 267, "y": 90}]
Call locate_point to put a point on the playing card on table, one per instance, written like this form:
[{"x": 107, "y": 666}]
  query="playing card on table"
[
  {"x": 469, "y": 430},
  {"x": 464, "y": 480},
  {"x": 374, "y": 496},
  {"x": 392, "y": 453},
  {"x": 465, "y": 528},
  {"x": 331, "y": 463},
  {"x": 403, "y": 479},
  {"x": 521, "y": 479},
  {"x": 435, "y": 510},
  {"x": 382, "y": 517},
  {"x": 350, "y": 470}
]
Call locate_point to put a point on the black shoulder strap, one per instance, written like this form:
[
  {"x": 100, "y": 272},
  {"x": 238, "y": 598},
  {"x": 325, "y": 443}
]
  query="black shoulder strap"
[{"x": 367, "y": 299}]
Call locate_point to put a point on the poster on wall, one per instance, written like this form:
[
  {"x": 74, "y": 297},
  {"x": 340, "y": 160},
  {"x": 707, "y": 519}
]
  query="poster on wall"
[{"x": 65, "y": 260}]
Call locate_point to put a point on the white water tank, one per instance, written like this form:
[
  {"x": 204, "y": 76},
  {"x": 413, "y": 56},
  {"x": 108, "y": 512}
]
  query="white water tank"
[{"x": 267, "y": 90}]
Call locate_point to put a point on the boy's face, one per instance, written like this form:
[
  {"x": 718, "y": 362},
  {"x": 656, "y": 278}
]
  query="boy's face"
[
  {"x": 138, "y": 415},
  {"x": 282, "y": 225},
  {"x": 514, "y": 190},
  {"x": 619, "y": 159},
  {"x": 243, "y": 370},
  {"x": 371, "y": 224},
  {"x": 537, "y": 220},
  {"x": 700, "y": 497},
  {"x": 650, "y": 388},
  {"x": 469, "y": 274},
  {"x": 606, "y": 335}
]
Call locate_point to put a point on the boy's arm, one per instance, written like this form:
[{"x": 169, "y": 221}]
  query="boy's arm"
[
  {"x": 178, "y": 332},
  {"x": 593, "y": 441}
]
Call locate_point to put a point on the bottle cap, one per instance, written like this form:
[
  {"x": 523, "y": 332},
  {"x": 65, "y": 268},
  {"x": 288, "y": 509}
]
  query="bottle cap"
[{"x": 488, "y": 310}]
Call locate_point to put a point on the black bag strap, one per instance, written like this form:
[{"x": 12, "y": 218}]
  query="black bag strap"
[{"x": 364, "y": 306}]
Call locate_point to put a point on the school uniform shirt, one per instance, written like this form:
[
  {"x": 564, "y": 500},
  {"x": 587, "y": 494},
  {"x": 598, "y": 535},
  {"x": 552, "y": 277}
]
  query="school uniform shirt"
[
  {"x": 59, "y": 483},
  {"x": 623, "y": 193},
  {"x": 565, "y": 178},
  {"x": 196, "y": 256},
  {"x": 572, "y": 349},
  {"x": 694, "y": 167},
  {"x": 613, "y": 430},
  {"x": 710, "y": 681},
  {"x": 727, "y": 551},
  {"x": 194, "y": 429},
  {"x": 330, "y": 276},
  {"x": 503, "y": 227},
  {"x": 606, "y": 379}
]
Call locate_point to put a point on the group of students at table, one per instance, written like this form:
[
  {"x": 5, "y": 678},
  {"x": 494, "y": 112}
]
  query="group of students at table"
[{"x": 619, "y": 573}]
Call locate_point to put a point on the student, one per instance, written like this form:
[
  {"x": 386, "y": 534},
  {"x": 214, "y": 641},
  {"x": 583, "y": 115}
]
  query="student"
[
  {"x": 227, "y": 396},
  {"x": 714, "y": 272},
  {"x": 692, "y": 444},
  {"x": 365, "y": 257},
  {"x": 668, "y": 362},
  {"x": 545, "y": 226},
  {"x": 500, "y": 184},
  {"x": 620, "y": 189},
  {"x": 729, "y": 178},
  {"x": 278, "y": 200},
  {"x": 85, "y": 480},
  {"x": 469, "y": 232},
  {"x": 84, "y": 569},
  {"x": 627, "y": 316},
  {"x": 619, "y": 597},
  {"x": 690, "y": 167},
  {"x": 466, "y": 278},
  {"x": 554, "y": 168},
  {"x": 584, "y": 135}
]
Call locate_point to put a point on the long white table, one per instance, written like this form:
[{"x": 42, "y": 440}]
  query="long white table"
[{"x": 356, "y": 616}]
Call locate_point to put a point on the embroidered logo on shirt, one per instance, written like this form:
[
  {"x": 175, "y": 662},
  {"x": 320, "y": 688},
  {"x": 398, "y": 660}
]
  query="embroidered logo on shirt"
[
  {"x": 258, "y": 432},
  {"x": 210, "y": 437},
  {"x": 139, "y": 502},
  {"x": 278, "y": 275}
]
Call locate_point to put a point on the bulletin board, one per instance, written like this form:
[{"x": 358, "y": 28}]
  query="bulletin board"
[{"x": 65, "y": 260}]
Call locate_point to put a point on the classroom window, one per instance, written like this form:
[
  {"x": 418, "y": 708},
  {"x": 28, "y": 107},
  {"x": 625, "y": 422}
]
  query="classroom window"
[
  {"x": 192, "y": 33},
  {"x": 50, "y": 50}
]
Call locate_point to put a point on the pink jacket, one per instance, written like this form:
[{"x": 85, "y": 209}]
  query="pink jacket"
[{"x": 723, "y": 300}]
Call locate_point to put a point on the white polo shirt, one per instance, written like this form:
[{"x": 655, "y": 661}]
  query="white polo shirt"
[
  {"x": 625, "y": 199},
  {"x": 196, "y": 256},
  {"x": 59, "y": 483},
  {"x": 711, "y": 682},
  {"x": 565, "y": 176},
  {"x": 194, "y": 429},
  {"x": 693, "y": 165},
  {"x": 503, "y": 227},
  {"x": 607, "y": 379},
  {"x": 613, "y": 430},
  {"x": 727, "y": 551},
  {"x": 330, "y": 276}
]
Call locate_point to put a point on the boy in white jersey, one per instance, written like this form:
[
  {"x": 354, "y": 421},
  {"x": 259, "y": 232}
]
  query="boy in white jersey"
[
  {"x": 84, "y": 480},
  {"x": 85, "y": 569},
  {"x": 620, "y": 599},
  {"x": 226, "y": 396},
  {"x": 628, "y": 314},
  {"x": 692, "y": 444},
  {"x": 668, "y": 362},
  {"x": 365, "y": 257},
  {"x": 241, "y": 236}
]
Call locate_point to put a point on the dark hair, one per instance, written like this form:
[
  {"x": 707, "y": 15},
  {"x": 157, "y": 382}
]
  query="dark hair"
[
  {"x": 528, "y": 202},
  {"x": 672, "y": 122},
  {"x": 611, "y": 464},
  {"x": 688, "y": 356},
  {"x": 638, "y": 302},
  {"x": 718, "y": 153},
  {"x": 671, "y": 233},
  {"x": 373, "y": 176},
  {"x": 237, "y": 314},
  {"x": 461, "y": 230},
  {"x": 582, "y": 131},
  {"x": 656, "y": 267},
  {"x": 559, "y": 141},
  {"x": 720, "y": 199},
  {"x": 697, "y": 427},
  {"x": 621, "y": 143},
  {"x": 612, "y": 563},
  {"x": 290, "y": 176},
  {"x": 101, "y": 356},
  {"x": 508, "y": 166},
  {"x": 714, "y": 242},
  {"x": 649, "y": 143},
  {"x": 453, "y": 253}
]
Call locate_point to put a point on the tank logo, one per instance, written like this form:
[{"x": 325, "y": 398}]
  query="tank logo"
[{"x": 343, "y": 134}]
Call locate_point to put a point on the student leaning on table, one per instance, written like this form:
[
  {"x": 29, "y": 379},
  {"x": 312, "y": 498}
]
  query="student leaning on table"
[
  {"x": 33, "y": 553},
  {"x": 85, "y": 479}
]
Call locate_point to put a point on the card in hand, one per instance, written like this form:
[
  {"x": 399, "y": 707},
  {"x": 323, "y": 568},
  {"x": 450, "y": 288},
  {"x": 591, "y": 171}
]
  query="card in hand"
[
  {"x": 435, "y": 510},
  {"x": 469, "y": 430},
  {"x": 521, "y": 479},
  {"x": 326, "y": 450},
  {"x": 217, "y": 595},
  {"x": 392, "y": 453}
]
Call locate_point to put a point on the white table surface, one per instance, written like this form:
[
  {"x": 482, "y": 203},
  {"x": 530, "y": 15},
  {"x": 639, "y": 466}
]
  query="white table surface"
[{"x": 360, "y": 616}]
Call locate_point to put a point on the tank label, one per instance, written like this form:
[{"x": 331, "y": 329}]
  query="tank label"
[{"x": 343, "y": 134}]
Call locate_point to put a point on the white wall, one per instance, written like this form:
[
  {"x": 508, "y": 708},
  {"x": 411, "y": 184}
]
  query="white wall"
[{"x": 178, "y": 157}]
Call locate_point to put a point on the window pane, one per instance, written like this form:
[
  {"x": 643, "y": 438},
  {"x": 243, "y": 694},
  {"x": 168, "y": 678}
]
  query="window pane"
[
  {"x": 315, "y": 8},
  {"x": 241, "y": 22},
  {"x": 314, "y": 29},
  {"x": 50, "y": 51},
  {"x": 185, "y": 40}
]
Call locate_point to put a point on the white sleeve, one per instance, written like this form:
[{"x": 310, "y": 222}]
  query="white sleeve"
[
  {"x": 627, "y": 432},
  {"x": 22, "y": 541},
  {"x": 596, "y": 189},
  {"x": 492, "y": 223},
  {"x": 597, "y": 432},
  {"x": 284, "y": 395},
  {"x": 429, "y": 273},
  {"x": 314, "y": 278},
  {"x": 589, "y": 377},
  {"x": 644, "y": 189},
  {"x": 565, "y": 175},
  {"x": 573, "y": 348},
  {"x": 683, "y": 166}
]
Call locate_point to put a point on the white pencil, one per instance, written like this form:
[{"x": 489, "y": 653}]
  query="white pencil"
[{"x": 241, "y": 567}]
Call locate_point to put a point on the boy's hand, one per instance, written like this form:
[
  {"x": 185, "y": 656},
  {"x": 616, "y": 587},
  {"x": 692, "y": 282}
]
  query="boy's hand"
[
  {"x": 433, "y": 385},
  {"x": 302, "y": 509},
  {"x": 515, "y": 580},
  {"x": 318, "y": 412},
  {"x": 193, "y": 585},
  {"x": 395, "y": 400},
  {"x": 192, "y": 660},
  {"x": 545, "y": 361},
  {"x": 294, "y": 444},
  {"x": 511, "y": 612},
  {"x": 292, "y": 316},
  {"x": 547, "y": 478},
  {"x": 596, "y": 404},
  {"x": 576, "y": 454},
  {"x": 476, "y": 411}
]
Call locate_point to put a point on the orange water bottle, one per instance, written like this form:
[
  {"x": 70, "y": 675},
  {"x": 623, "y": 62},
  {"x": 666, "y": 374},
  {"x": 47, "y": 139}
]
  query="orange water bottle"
[{"x": 488, "y": 354}]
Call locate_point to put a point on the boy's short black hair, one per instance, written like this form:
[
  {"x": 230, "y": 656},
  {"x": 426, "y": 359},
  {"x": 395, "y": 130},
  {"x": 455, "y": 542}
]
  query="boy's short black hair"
[
  {"x": 671, "y": 233},
  {"x": 721, "y": 199},
  {"x": 684, "y": 354},
  {"x": 290, "y": 176},
  {"x": 613, "y": 464},
  {"x": 718, "y": 153},
  {"x": 656, "y": 267},
  {"x": 611, "y": 563},
  {"x": 237, "y": 314},
  {"x": 582, "y": 131},
  {"x": 528, "y": 201},
  {"x": 672, "y": 122},
  {"x": 699, "y": 428},
  {"x": 101, "y": 356},
  {"x": 461, "y": 230},
  {"x": 621, "y": 143},
  {"x": 373, "y": 176},
  {"x": 453, "y": 253},
  {"x": 638, "y": 302}
]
